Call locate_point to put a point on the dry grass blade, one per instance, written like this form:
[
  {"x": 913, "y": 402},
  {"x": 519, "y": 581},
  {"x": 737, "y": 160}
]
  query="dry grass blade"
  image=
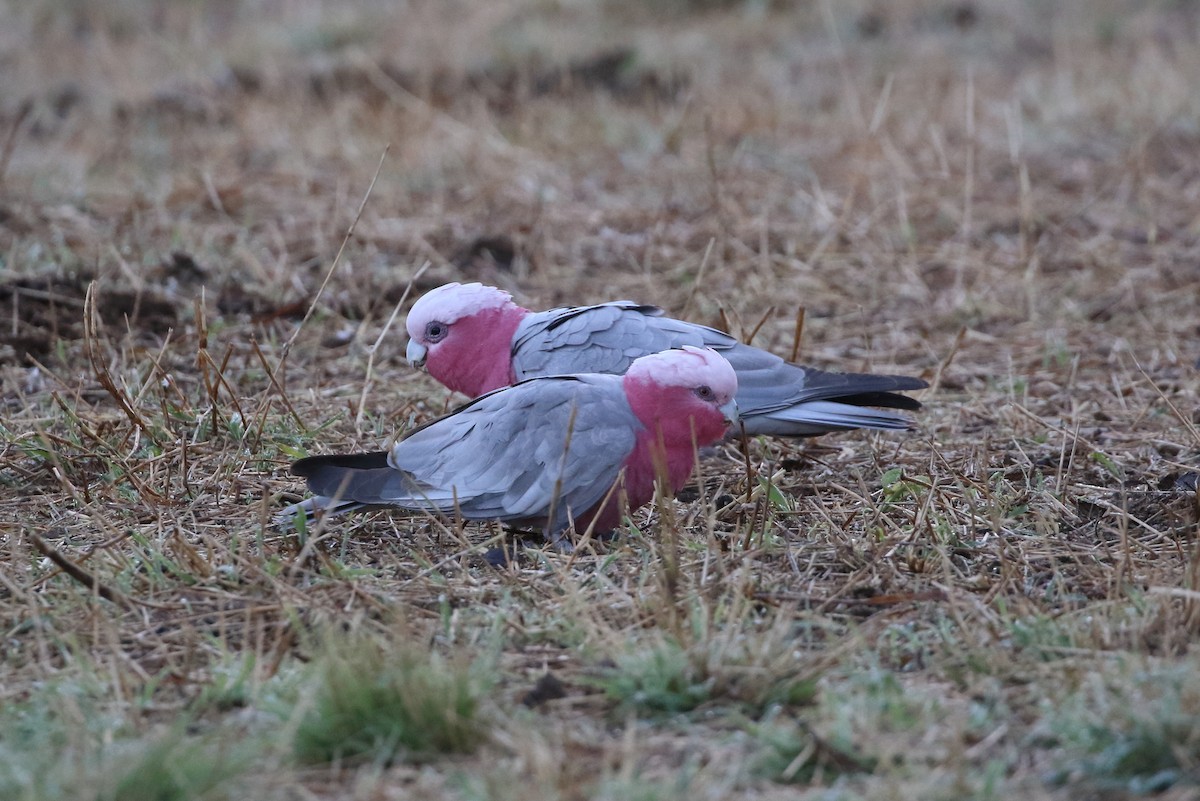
[
  {"x": 366, "y": 387},
  {"x": 699, "y": 279},
  {"x": 333, "y": 265},
  {"x": 10, "y": 141},
  {"x": 100, "y": 369},
  {"x": 279, "y": 391},
  {"x": 797, "y": 334}
]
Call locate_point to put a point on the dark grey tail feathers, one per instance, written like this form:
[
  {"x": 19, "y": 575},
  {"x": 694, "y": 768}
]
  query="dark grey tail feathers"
[
  {"x": 883, "y": 400},
  {"x": 326, "y": 475}
]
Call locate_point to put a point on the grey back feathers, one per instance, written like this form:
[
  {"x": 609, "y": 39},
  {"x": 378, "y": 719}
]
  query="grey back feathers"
[{"x": 774, "y": 396}]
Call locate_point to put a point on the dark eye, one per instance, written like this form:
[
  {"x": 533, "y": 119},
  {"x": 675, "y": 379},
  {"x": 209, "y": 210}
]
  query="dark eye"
[
  {"x": 435, "y": 331},
  {"x": 704, "y": 392}
]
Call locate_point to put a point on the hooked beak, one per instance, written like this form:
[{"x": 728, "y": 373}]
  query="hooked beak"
[
  {"x": 416, "y": 353},
  {"x": 730, "y": 412}
]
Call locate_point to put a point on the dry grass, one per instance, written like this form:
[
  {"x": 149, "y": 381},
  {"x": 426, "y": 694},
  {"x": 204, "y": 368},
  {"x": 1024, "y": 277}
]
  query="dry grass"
[{"x": 1000, "y": 197}]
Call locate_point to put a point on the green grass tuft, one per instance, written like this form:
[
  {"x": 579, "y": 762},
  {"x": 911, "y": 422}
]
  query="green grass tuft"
[
  {"x": 750, "y": 664},
  {"x": 174, "y": 768},
  {"x": 62, "y": 744},
  {"x": 1139, "y": 736},
  {"x": 660, "y": 679},
  {"x": 793, "y": 753},
  {"x": 380, "y": 706}
]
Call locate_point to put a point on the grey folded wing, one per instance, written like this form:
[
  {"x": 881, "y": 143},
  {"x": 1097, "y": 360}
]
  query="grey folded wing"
[
  {"x": 540, "y": 453},
  {"x": 604, "y": 338},
  {"x": 774, "y": 396}
]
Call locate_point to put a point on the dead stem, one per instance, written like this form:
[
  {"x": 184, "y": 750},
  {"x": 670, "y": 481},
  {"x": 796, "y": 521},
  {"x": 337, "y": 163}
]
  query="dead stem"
[{"x": 78, "y": 573}]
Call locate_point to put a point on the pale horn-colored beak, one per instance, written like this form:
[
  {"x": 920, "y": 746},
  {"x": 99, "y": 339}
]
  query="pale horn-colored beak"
[
  {"x": 730, "y": 411},
  {"x": 416, "y": 353}
]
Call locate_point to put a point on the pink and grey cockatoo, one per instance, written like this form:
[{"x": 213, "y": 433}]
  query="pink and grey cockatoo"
[
  {"x": 545, "y": 453},
  {"x": 474, "y": 338}
]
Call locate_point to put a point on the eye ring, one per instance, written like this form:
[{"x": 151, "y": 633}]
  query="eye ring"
[
  {"x": 435, "y": 331},
  {"x": 705, "y": 393}
]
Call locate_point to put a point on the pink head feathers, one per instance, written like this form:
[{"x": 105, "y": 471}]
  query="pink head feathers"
[{"x": 462, "y": 334}]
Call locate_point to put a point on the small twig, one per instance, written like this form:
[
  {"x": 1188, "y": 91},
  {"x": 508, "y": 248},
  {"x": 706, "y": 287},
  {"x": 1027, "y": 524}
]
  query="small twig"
[
  {"x": 562, "y": 468},
  {"x": 668, "y": 526},
  {"x": 262, "y": 357},
  {"x": 219, "y": 381},
  {"x": 202, "y": 363},
  {"x": 687, "y": 304},
  {"x": 745, "y": 442},
  {"x": 157, "y": 362},
  {"x": 337, "y": 259},
  {"x": 585, "y": 540},
  {"x": 100, "y": 370},
  {"x": 714, "y": 175},
  {"x": 968, "y": 182},
  {"x": 214, "y": 379},
  {"x": 1182, "y": 418},
  {"x": 941, "y": 368},
  {"x": 49, "y": 297},
  {"x": 79, "y": 574},
  {"x": 725, "y": 326},
  {"x": 853, "y": 99},
  {"x": 362, "y": 398},
  {"x": 797, "y": 334},
  {"x": 10, "y": 143},
  {"x": 761, "y": 322}
]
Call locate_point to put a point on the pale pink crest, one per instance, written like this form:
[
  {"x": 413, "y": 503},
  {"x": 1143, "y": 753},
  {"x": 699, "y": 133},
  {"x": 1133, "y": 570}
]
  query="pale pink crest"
[
  {"x": 687, "y": 367},
  {"x": 449, "y": 303}
]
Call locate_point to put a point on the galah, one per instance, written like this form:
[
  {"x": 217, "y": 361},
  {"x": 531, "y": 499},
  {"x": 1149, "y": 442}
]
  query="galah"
[
  {"x": 473, "y": 338},
  {"x": 546, "y": 453}
]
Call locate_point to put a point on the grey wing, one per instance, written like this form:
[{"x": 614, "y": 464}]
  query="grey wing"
[
  {"x": 774, "y": 396},
  {"x": 605, "y": 338},
  {"x": 540, "y": 451}
]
